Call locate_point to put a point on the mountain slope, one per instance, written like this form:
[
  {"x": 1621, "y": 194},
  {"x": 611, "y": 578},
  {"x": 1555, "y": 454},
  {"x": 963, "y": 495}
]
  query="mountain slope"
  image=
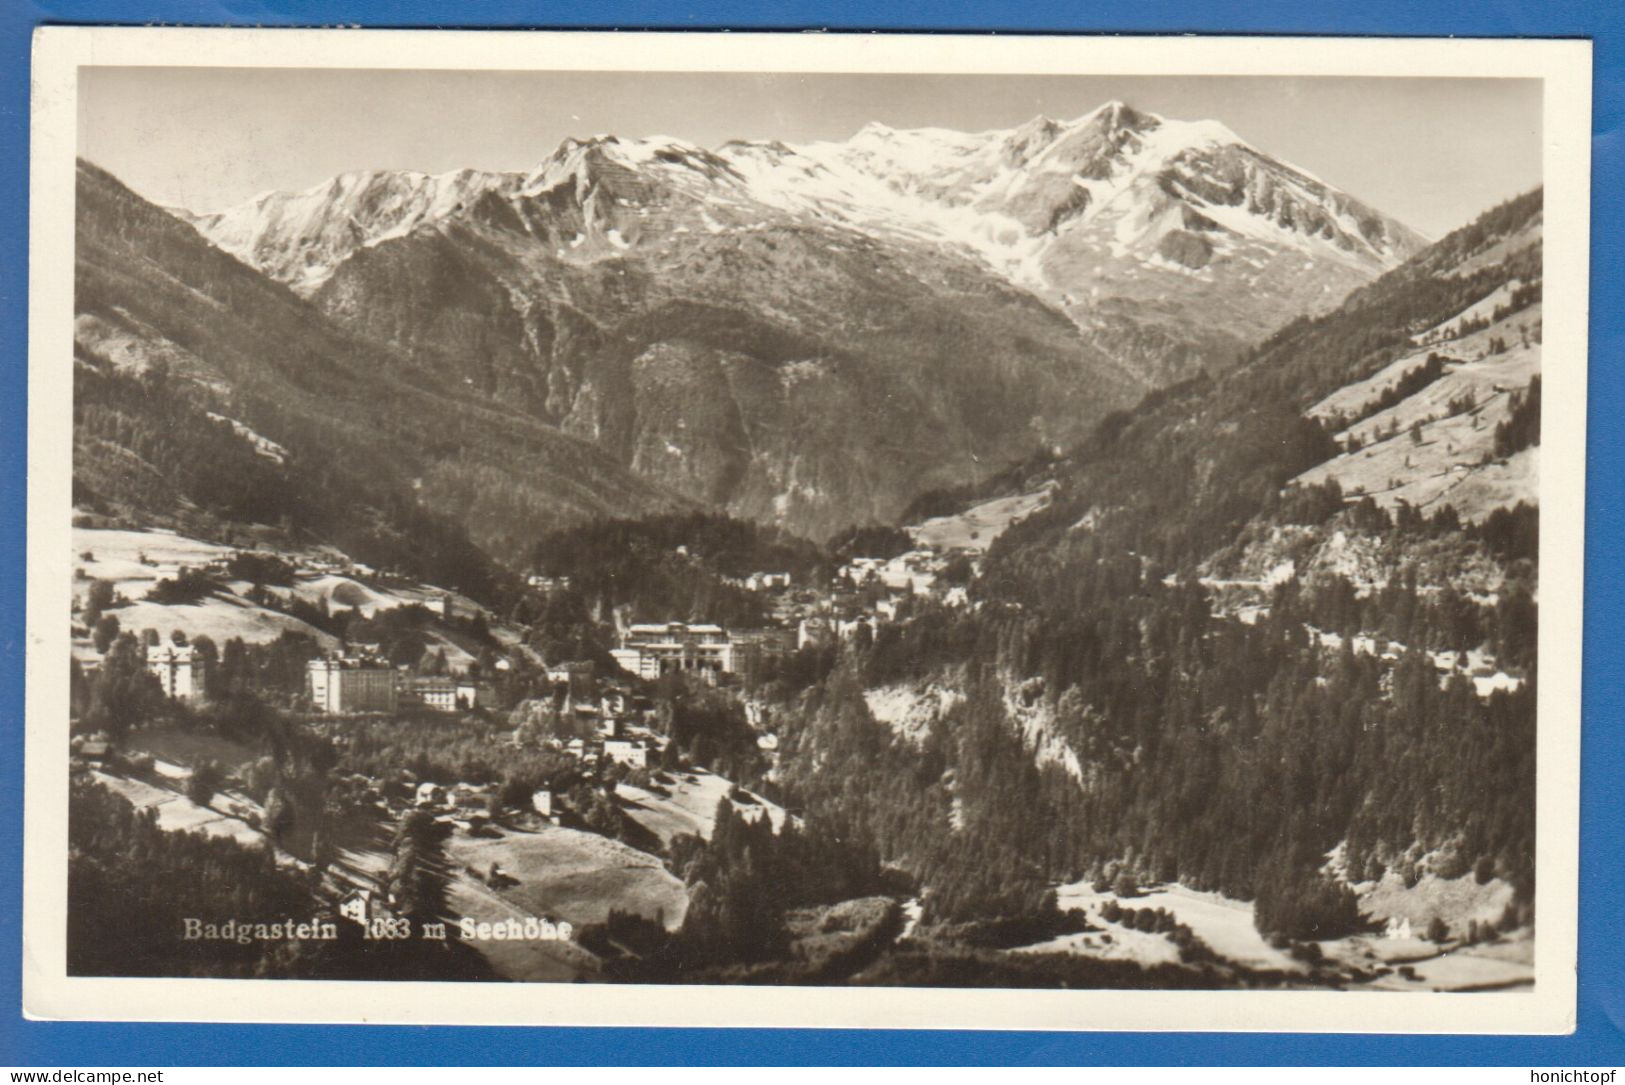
[
  {"x": 298, "y": 237},
  {"x": 1185, "y": 666},
  {"x": 809, "y": 375},
  {"x": 728, "y": 323},
  {"x": 361, "y": 455},
  {"x": 1163, "y": 239},
  {"x": 1066, "y": 208},
  {"x": 1181, "y": 474}
]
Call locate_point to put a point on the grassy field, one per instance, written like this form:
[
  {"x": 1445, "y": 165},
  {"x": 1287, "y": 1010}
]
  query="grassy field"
[
  {"x": 1113, "y": 943},
  {"x": 189, "y": 747},
  {"x": 363, "y": 847},
  {"x": 578, "y": 876},
  {"x": 1428, "y": 967},
  {"x": 691, "y": 806},
  {"x": 974, "y": 530},
  {"x": 177, "y": 813},
  {"x": 521, "y": 960},
  {"x": 1224, "y": 924},
  {"x": 1445, "y": 461},
  {"x": 134, "y": 561},
  {"x": 117, "y": 556}
]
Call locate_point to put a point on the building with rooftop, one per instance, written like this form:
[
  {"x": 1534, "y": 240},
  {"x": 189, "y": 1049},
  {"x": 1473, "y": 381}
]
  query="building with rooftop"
[
  {"x": 179, "y": 670},
  {"x": 655, "y": 649},
  {"x": 340, "y": 685},
  {"x": 436, "y": 693},
  {"x": 628, "y": 752}
]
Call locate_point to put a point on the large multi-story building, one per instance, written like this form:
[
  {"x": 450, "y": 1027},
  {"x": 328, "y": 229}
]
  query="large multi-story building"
[
  {"x": 754, "y": 647},
  {"x": 346, "y": 684},
  {"x": 436, "y": 693},
  {"x": 652, "y": 650},
  {"x": 443, "y": 694},
  {"x": 179, "y": 670},
  {"x": 633, "y": 661}
]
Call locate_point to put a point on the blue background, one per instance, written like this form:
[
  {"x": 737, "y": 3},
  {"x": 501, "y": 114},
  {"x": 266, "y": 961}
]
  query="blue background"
[{"x": 1599, "y": 1039}]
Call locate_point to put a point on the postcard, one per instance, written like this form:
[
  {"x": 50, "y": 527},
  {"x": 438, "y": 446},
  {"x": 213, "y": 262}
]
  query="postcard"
[{"x": 819, "y": 530}]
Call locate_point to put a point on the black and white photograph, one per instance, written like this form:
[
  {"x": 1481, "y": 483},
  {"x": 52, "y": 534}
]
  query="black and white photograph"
[{"x": 721, "y": 531}]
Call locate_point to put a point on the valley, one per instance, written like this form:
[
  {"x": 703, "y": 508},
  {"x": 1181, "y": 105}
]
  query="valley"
[
  {"x": 724, "y": 322},
  {"x": 1093, "y": 553}
]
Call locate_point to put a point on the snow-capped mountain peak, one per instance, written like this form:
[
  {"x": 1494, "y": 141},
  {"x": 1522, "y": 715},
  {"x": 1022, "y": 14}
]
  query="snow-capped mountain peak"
[
  {"x": 1117, "y": 215},
  {"x": 299, "y": 237}
]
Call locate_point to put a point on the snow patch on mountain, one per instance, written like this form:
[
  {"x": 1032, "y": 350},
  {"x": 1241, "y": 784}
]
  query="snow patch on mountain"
[
  {"x": 299, "y": 237},
  {"x": 264, "y": 446},
  {"x": 1114, "y": 179}
]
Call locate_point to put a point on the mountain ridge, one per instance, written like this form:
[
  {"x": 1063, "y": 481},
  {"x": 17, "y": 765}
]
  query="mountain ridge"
[
  {"x": 945, "y": 167},
  {"x": 999, "y": 291},
  {"x": 152, "y": 297}
]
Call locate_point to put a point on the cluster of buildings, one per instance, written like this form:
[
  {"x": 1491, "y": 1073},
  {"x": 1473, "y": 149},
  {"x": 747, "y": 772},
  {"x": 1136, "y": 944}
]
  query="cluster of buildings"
[
  {"x": 339, "y": 683},
  {"x": 865, "y": 594},
  {"x": 761, "y": 581},
  {"x": 346, "y": 684},
  {"x": 911, "y": 573},
  {"x": 596, "y": 720},
  {"x": 706, "y": 651},
  {"x": 631, "y": 751}
]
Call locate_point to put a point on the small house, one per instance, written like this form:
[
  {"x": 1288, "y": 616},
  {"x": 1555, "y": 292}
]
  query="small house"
[
  {"x": 541, "y": 801},
  {"x": 628, "y": 752},
  {"x": 467, "y": 796},
  {"x": 359, "y": 906}
]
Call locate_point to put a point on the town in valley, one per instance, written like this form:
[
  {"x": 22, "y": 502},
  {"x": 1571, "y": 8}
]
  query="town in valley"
[{"x": 1087, "y": 553}]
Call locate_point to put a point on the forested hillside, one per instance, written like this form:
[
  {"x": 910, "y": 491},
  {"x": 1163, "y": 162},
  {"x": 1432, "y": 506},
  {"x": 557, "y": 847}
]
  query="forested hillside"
[
  {"x": 1123, "y": 711},
  {"x": 679, "y": 566},
  {"x": 365, "y": 458}
]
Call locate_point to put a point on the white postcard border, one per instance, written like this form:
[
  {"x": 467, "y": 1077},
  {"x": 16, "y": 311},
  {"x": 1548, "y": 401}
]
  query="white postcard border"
[{"x": 48, "y": 993}]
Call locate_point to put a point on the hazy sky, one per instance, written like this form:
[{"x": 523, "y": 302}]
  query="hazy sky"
[{"x": 1431, "y": 152}]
